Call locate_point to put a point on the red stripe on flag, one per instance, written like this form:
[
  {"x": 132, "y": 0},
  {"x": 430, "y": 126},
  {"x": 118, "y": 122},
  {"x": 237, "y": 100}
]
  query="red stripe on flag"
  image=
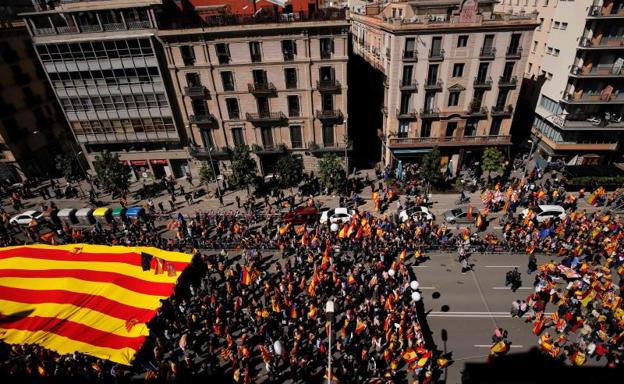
[
  {"x": 124, "y": 281},
  {"x": 97, "y": 303},
  {"x": 73, "y": 331},
  {"x": 131, "y": 258}
]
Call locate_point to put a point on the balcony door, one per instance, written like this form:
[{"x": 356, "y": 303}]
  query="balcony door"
[
  {"x": 267, "y": 137},
  {"x": 327, "y": 102},
  {"x": 488, "y": 43},
  {"x": 259, "y": 77},
  {"x": 207, "y": 138},
  {"x": 429, "y": 101},
  {"x": 483, "y": 72},
  {"x": 436, "y": 46},
  {"x": 514, "y": 43},
  {"x": 263, "y": 106},
  {"x": 326, "y": 74},
  {"x": 407, "y": 75}
]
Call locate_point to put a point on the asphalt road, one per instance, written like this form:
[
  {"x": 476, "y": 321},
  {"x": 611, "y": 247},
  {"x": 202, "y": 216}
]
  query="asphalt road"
[{"x": 469, "y": 306}]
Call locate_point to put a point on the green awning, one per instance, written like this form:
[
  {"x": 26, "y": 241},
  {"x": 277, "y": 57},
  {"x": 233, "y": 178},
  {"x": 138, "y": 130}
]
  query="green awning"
[{"x": 411, "y": 151}]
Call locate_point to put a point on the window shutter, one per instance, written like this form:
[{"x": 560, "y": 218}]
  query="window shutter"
[
  {"x": 294, "y": 47},
  {"x": 331, "y": 45}
]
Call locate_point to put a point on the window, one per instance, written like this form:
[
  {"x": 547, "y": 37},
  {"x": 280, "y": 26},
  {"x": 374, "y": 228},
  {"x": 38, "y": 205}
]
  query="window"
[
  {"x": 267, "y": 137},
  {"x": 508, "y": 70},
  {"x": 238, "y": 137},
  {"x": 425, "y": 128},
  {"x": 223, "y": 53},
  {"x": 188, "y": 55},
  {"x": 556, "y": 25},
  {"x": 495, "y": 128},
  {"x": 328, "y": 135},
  {"x": 451, "y": 126},
  {"x": 327, "y": 102},
  {"x": 462, "y": 41},
  {"x": 405, "y": 102},
  {"x": 541, "y": 24},
  {"x": 556, "y": 52},
  {"x": 549, "y": 51},
  {"x": 293, "y": 106},
  {"x": 471, "y": 127},
  {"x": 200, "y": 108},
  {"x": 502, "y": 98},
  {"x": 530, "y": 67},
  {"x": 534, "y": 47},
  {"x": 550, "y": 25},
  {"x": 255, "y": 51},
  {"x": 289, "y": 49},
  {"x": 407, "y": 75},
  {"x": 545, "y": 3},
  {"x": 327, "y": 47},
  {"x": 290, "y": 75},
  {"x": 564, "y": 26},
  {"x": 410, "y": 48},
  {"x": 403, "y": 129},
  {"x": 458, "y": 70},
  {"x": 296, "y": 138},
  {"x": 436, "y": 46},
  {"x": 207, "y": 138},
  {"x": 232, "y": 108},
  {"x": 228, "y": 81},
  {"x": 453, "y": 98},
  {"x": 432, "y": 74},
  {"x": 482, "y": 73},
  {"x": 259, "y": 78}
]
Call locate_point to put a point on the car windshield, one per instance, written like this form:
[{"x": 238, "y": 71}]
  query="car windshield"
[
  {"x": 537, "y": 210},
  {"x": 330, "y": 212},
  {"x": 456, "y": 212}
]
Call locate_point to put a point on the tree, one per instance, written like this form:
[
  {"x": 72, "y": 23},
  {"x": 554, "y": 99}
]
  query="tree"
[
  {"x": 290, "y": 170},
  {"x": 331, "y": 172},
  {"x": 68, "y": 166},
  {"x": 205, "y": 174},
  {"x": 492, "y": 161},
  {"x": 430, "y": 169},
  {"x": 243, "y": 168},
  {"x": 112, "y": 173}
]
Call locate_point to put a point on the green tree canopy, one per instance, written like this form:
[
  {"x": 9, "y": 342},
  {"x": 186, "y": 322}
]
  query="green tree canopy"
[
  {"x": 113, "y": 175},
  {"x": 243, "y": 168},
  {"x": 290, "y": 170},
  {"x": 492, "y": 160},
  {"x": 430, "y": 168},
  {"x": 205, "y": 173},
  {"x": 331, "y": 172},
  {"x": 68, "y": 166}
]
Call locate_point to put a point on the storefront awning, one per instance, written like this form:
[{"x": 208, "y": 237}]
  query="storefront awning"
[{"x": 411, "y": 151}]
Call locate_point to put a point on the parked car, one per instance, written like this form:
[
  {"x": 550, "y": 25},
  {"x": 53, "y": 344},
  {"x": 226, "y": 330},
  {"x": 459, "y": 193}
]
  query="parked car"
[
  {"x": 545, "y": 212},
  {"x": 302, "y": 215},
  {"x": 337, "y": 215},
  {"x": 25, "y": 218},
  {"x": 417, "y": 213},
  {"x": 459, "y": 215}
]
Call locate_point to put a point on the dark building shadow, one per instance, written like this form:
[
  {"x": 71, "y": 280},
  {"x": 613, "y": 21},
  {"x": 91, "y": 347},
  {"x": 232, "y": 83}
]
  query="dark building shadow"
[
  {"x": 533, "y": 367},
  {"x": 365, "y": 99}
]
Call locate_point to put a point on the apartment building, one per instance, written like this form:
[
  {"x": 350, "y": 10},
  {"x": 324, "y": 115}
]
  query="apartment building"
[
  {"x": 578, "y": 116},
  {"x": 275, "y": 82},
  {"x": 32, "y": 128},
  {"x": 545, "y": 14},
  {"x": 105, "y": 65},
  {"x": 452, "y": 75}
]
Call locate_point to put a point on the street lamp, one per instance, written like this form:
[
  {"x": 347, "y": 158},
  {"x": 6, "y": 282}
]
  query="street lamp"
[
  {"x": 214, "y": 173},
  {"x": 529, "y": 158},
  {"x": 329, "y": 311}
]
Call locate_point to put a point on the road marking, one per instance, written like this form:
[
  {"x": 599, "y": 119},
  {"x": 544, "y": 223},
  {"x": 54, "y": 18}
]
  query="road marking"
[
  {"x": 502, "y": 266},
  {"x": 420, "y": 266},
  {"x": 475, "y": 314},
  {"x": 427, "y": 288},
  {"x": 509, "y": 288},
  {"x": 489, "y": 346}
]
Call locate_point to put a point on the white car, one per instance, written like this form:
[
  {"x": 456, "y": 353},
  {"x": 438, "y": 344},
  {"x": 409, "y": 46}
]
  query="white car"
[
  {"x": 25, "y": 218},
  {"x": 337, "y": 215},
  {"x": 545, "y": 212},
  {"x": 416, "y": 213}
]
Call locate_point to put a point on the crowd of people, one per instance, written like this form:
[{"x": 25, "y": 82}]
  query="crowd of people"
[{"x": 251, "y": 306}]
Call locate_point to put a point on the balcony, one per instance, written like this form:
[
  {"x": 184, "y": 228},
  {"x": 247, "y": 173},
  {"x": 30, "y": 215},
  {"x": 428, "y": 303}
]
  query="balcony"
[
  {"x": 448, "y": 141},
  {"x": 408, "y": 85},
  {"x": 332, "y": 115},
  {"x": 67, "y": 29},
  {"x": 44, "y": 31},
  {"x": 114, "y": 27},
  {"x": 514, "y": 52},
  {"x": 205, "y": 118},
  {"x": 410, "y": 56},
  {"x": 267, "y": 149},
  {"x": 580, "y": 121},
  {"x": 429, "y": 113},
  {"x": 266, "y": 118},
  {"x": 329, "y": 86},
  {"x": 196, "y": 91},
  {"x": 315, "y": 148},
  {"x": 597, "y": 12},
  {"x": 487, "y": 53},
  {"x": 502, "y": 111},
  {"x": 615, "y": 42},
  {"x": 138, "y": 24},
  {"x": 409, "y": 114},
  {"x": 573, "y": 146},
  {"x": 507, "y": 82},
  {"x": 617, "y": 97},
  {"x": 203, "y": 153},
  {"x": 434, "y": 85},
  {"x": 436, "y": 55},
  {"x": 596, "y": 72},
  {"x": 262, "y": 89},
  {"x": 90, "y": 28},
  {"x": 482, "y": 82},
  {"x": 477, "y": 112}
]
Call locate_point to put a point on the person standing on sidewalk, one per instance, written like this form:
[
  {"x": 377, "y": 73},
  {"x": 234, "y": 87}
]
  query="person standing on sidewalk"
[
  {"x": 238, "y": 201},
  {"x": 532, "y": 266}
]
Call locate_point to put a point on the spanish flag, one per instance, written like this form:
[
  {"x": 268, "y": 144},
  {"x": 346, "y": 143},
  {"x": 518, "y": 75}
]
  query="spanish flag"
[
  {"x": 293, "y": 311},
  {"x": 283, "y": 230},
  {"x": 360, "y": 326},
  {"x": 351, "y": 280},
  {"x": 83, "y": 301},
  {"x": 410, "y": 356},
  {"x": 246, "y": 276},
  {"x": 325, "y": 262},
  {"x": 469, "y": 214},
  {"x": 403, "y": 255},
  {"x": 300, "y": 229},
  {"x": 312, "y": 312},
  {"x": 344, "y": 232},
  {"x": 236, "y": 228}
]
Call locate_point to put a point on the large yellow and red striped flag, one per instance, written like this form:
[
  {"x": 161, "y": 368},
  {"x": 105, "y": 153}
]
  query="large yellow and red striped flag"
[{"x": 93, "y": 299}]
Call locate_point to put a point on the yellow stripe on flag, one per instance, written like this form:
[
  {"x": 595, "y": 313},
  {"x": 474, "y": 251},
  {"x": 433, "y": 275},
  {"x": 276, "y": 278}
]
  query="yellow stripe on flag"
[
  {"x": 84, "y": 316},
  {"x": 64, "y": 345},
  {"x": 108, "y": 290}
]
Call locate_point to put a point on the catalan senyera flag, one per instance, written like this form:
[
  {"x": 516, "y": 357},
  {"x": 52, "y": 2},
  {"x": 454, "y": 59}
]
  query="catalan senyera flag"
[{"x": 94, "y": 299}]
